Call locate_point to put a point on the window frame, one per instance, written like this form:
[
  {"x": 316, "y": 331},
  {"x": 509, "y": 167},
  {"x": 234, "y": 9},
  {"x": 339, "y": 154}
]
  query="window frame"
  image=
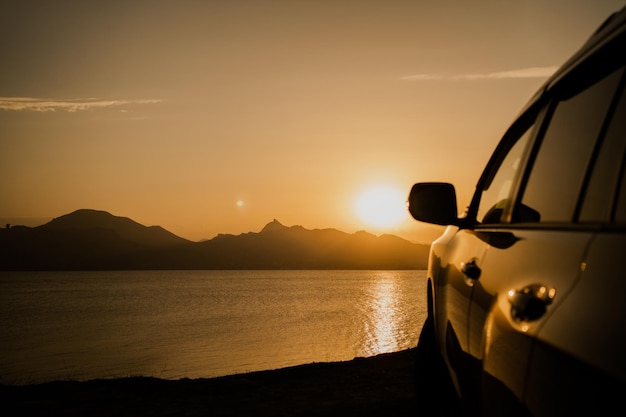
[
  {"x": 619, "y": 95},
  {"x": 529, "y": 121},
  {"x": 540, "y": 112},
  {"x": 570, "y": 87}
]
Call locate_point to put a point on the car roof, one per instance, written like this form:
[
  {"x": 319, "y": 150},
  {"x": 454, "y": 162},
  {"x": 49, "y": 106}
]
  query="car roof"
[{"x": 613, "y": 27}]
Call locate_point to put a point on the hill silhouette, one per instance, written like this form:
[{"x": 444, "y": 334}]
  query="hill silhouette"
[{"x": 96, "y": 240}]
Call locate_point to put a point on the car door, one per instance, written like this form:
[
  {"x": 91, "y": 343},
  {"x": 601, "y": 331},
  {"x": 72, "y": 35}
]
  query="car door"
[
  {"x": 539, "y": 250},
  {"x": 578, "y": 361},
  {"x": 460, "y": 254}
]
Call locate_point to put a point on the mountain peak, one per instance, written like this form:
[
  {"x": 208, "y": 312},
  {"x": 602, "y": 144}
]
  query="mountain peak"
[
  {"x": 89, "y": 220},
  {"x": 86, "y": 218},
  {"x": 274, "y": 225}
]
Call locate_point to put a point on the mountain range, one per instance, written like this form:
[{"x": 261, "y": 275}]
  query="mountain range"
[{"x": 97, "y": 240}]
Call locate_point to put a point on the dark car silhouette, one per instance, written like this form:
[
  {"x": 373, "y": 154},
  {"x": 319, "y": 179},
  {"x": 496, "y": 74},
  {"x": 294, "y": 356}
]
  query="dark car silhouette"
[{"x": 526, "y": 291}]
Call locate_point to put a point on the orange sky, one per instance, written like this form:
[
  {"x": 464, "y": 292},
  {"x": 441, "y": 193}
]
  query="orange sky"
[{"x": 171, "y": 113}]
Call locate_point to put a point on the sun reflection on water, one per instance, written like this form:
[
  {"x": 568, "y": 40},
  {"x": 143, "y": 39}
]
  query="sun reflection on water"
[{"x": 382, "y": 327}]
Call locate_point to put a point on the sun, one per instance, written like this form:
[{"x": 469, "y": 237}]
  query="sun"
[{"x": 381, "y": 206}]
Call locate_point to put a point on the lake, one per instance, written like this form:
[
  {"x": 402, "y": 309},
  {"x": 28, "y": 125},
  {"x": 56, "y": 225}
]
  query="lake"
[{"x": 199, "y": 324}]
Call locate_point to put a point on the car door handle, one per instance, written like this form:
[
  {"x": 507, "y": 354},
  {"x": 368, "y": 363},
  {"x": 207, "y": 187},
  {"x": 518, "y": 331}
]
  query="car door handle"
[
  {"x": 470, "y": 269},
  {"x": 531, "y": 302}
]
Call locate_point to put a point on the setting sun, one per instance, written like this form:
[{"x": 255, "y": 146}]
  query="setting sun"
[{"x": 381, "y": 206}]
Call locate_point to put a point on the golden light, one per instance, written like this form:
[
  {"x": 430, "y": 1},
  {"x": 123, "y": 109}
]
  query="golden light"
[
  {"x": 383, "y": 328},
  {"x": 239, "y": 203},
  {"x": 381, "y": 206}
]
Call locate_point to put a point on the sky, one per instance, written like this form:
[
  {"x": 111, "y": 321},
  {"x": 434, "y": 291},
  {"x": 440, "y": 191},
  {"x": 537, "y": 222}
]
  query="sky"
[{"x": 209, "y": 117}]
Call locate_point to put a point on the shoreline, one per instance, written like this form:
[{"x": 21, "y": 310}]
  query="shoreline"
[{"x": 373, "y": 386}]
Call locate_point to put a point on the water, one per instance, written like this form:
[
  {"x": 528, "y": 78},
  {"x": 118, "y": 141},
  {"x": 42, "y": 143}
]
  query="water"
[{"x": 199, "y": 324}]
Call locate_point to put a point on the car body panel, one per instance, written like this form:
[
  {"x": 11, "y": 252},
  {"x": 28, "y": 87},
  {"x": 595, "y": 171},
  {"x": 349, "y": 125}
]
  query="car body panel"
[
  {"x": 454, "y": 291},
  {"x": 590, "y": 350},
  {"x": 501, "y": 342}
]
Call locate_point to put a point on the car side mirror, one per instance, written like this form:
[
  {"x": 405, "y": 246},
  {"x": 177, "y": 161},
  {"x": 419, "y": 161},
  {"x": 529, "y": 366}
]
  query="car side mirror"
[{"x": 433, "y": 202}]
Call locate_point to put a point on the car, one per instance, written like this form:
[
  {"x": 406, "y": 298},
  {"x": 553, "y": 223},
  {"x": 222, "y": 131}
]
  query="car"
[{"x": 526, "y": 292}]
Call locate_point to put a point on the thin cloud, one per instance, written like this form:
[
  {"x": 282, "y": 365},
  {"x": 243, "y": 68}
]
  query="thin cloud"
[
  {"x": 423, "y": 77},
  {"x": 533, "y": 72},
  {"x": 68, "y": 105}
]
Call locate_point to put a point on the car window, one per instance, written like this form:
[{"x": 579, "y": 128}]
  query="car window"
[
  {"x": 497, "y": 194},
  {"x": 603, "y": 182},
  {"x": 558, "y": 171}
]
